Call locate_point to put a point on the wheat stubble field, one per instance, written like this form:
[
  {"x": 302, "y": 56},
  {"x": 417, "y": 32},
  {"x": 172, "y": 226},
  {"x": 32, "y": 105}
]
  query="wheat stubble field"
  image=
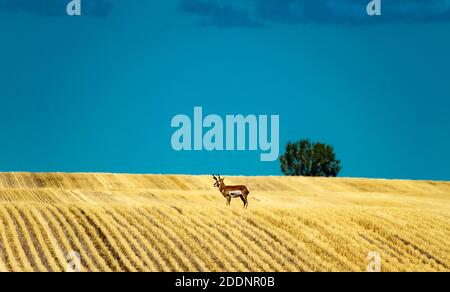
[{"x": 181, "y": 223}]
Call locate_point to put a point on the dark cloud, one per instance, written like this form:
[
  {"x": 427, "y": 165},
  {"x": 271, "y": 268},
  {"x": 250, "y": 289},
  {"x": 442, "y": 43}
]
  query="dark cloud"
[
  {"x": 345, "y": 12},
  {"x": 215, "y": 14},
  {"x": 96, "y": 8}
]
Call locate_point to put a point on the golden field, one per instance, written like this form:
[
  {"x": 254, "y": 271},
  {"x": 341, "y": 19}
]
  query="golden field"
[{"x": 181, "y": 223}]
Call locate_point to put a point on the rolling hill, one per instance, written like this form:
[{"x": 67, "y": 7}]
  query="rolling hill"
[{"x": 180, "y": 223}]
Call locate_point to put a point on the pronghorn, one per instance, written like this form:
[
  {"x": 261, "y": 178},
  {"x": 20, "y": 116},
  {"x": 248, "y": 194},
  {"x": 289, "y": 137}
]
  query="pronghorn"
[{"x": 231, "y": 192}]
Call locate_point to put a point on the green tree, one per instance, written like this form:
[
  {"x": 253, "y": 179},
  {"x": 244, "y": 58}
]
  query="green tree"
[{"x": 304, "y": 158}]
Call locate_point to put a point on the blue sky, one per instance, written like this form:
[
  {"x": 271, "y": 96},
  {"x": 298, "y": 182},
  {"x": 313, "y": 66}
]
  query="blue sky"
[{"x": 97, "y": 93}]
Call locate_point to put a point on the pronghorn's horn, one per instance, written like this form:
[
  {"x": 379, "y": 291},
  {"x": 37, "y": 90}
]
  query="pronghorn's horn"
[{"x": 214, "y": 176}]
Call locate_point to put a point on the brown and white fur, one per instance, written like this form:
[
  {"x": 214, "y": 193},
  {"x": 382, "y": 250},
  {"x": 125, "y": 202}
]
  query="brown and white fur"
[{"x": 231, "y": 192}]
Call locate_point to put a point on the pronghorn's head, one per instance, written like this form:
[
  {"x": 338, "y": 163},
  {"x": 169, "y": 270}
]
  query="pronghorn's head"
[{"x": 219, "y": 181}]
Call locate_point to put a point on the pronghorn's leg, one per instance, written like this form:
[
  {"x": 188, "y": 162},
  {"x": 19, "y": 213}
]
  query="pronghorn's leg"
[
  {"x": 228, "y": 200},
  {"x": 243, "y": 200}
]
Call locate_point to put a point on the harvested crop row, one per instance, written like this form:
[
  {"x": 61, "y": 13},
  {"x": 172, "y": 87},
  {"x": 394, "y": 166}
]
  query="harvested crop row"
[{"x": 181, "y": 223}]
